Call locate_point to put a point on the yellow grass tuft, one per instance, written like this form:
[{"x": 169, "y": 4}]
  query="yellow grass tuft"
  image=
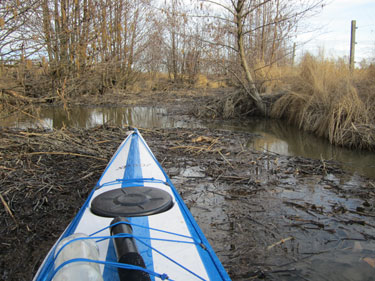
[
  {"x": 273, "y": 78},
  {"x": 203, "y": 81},
  {"x": 324, "y": 98}
]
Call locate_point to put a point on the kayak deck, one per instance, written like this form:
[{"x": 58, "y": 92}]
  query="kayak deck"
[{"x": 167, "y": 237}]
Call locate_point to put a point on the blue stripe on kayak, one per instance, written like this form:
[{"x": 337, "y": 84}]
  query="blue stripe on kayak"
[
  {"x": 110, "y": 273},
  {"x": 133, "y": 170},
  {"x": 214, "y": 268}
]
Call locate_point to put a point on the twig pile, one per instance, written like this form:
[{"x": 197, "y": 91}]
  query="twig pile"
[{"x": 45, "y": 176}]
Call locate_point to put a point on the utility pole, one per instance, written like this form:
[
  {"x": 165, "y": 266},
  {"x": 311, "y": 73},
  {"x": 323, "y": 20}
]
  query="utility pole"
[
  {"x": 294, "y": 53},
  {"x": 352, "y": 45}
]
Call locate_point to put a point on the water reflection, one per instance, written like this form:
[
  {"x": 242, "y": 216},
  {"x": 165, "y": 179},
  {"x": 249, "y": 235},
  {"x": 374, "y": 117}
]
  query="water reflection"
[
  {"x": 277, "y": 137},
  {"x": 88, "y": 117}
]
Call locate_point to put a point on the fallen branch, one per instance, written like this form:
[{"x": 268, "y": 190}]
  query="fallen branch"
[
  {"x": 282, "y": 241},
  {"x": 9, "y": 211},
  {"x": 197, "y": 149},
  {"x": 6, "y": 168},
  {"x": 66, "y": 153},
  {"x": 16, "y": 95},
  {"x": 225, "y": 159},
  {"x": 26, "y": 113}
]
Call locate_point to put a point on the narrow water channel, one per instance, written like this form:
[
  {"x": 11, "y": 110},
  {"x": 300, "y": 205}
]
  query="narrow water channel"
[
  {"x": 323, "y": 226},
  {"x": 274, "y": 136}
]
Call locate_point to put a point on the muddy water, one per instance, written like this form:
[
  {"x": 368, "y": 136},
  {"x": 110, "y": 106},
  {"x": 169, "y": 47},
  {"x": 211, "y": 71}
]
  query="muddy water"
[
  {"x": 88, "y": 117},
  {"x": 274, "y": 136},
  {"x": 277, "y": 137},
  {"x": 273, "y": 217}
]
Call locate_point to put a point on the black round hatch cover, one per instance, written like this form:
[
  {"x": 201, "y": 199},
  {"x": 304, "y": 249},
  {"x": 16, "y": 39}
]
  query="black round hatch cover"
[{"x": 132, "y": 201}]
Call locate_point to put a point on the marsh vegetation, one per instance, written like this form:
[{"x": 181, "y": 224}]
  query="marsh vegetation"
[{"x": 61, "y": 51}]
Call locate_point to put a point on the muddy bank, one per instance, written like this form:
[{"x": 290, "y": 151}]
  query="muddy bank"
[
  {"x": 267, "y": 216},
  {"x": 175, "y": 97}
]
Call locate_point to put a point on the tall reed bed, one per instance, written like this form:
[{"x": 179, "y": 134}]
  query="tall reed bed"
[{"x": 324, "y": 97}]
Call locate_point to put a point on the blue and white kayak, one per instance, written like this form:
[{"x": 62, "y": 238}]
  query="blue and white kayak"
[{"x": 133, "y": 226}]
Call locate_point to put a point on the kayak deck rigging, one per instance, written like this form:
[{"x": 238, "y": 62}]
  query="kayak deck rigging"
[{"x": 159, "y": 233}]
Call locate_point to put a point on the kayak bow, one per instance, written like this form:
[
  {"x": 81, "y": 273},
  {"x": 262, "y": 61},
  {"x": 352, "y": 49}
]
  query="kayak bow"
[{"x": 133, "y": 226}]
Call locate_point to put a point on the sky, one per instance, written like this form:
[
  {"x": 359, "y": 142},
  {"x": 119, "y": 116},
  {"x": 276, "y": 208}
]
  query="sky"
[{"x": 331, "y": 30}]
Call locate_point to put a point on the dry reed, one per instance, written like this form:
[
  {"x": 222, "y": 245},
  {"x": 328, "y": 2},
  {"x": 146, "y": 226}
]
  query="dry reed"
[{"x": 324, "y": 98}]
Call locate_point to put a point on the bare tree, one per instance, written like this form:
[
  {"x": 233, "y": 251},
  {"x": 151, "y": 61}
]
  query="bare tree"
[
  {"x": 257, "y": 30},
  {"x": 15, "y": 36},
  {"x": 106, "y": 34},
  {"x": 120, "y": 38}
]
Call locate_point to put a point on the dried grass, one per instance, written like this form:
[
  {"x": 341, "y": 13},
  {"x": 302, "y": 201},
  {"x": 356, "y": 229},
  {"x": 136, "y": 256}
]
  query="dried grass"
[
  {"x": 324, "y": 99},
  {"x": 273, "y": 78}
]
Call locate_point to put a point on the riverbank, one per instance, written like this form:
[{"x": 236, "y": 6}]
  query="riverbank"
[
  {"x": 267, "y": 216},
  {"x": 318, "y": 95},
  {"x": 344, "y": 118}
]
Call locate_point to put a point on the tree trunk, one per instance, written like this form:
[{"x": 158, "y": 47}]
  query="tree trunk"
[
  {"x": 47, "y": 30},
  {"x": 252, "y": 91},
  {"x": 64, "y": 39}
]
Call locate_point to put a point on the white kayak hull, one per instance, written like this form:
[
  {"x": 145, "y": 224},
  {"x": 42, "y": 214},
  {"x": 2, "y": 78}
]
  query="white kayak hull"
[{"x": 170, "y": 242}]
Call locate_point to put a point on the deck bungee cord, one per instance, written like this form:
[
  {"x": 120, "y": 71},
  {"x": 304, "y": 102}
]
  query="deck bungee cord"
[
  {"x": 131, "y": 182},
  {"x": 113, "y": 264},
  {"x": 99, "y": 239},
  {"x": 150, "y": 228}
]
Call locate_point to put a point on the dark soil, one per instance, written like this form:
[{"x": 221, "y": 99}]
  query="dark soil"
[{"x": 267, "y": 216}]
